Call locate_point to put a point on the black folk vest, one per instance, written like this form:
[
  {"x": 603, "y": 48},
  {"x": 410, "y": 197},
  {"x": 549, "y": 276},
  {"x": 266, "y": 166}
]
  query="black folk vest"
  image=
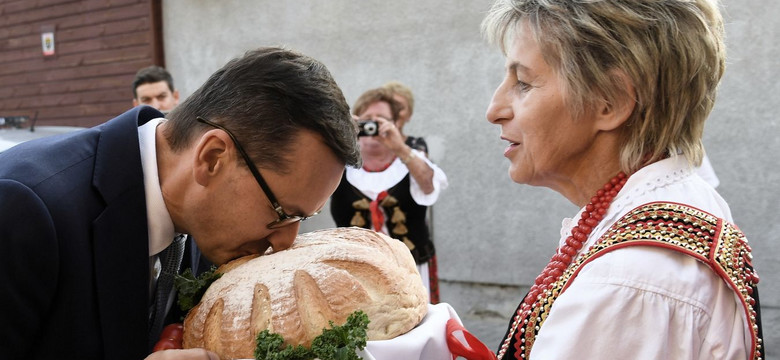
[{"x": 404, "y": 218}]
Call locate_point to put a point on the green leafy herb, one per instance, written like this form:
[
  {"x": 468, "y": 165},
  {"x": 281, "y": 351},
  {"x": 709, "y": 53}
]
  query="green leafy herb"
[
  {"x": 336, "y": 343},
  {"x": 192, "y": 288},
  {"x": 270, "y": 347},
  {"x": 340, "y": 342}
]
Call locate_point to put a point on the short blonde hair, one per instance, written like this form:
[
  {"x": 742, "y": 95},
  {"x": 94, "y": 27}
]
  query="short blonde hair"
[
  {"x": 672, "y": 52},
  {"x": 397, "y": 88}
]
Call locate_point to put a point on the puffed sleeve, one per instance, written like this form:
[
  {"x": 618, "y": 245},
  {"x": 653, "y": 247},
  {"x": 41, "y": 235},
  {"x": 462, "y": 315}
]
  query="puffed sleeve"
[{"x": 439, "y": 183}]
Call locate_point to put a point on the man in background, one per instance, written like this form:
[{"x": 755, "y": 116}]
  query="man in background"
[{"x": 153, "y": 86}]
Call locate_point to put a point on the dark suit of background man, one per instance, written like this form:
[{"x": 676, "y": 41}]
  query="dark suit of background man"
[{"x": 83, "y": 217}]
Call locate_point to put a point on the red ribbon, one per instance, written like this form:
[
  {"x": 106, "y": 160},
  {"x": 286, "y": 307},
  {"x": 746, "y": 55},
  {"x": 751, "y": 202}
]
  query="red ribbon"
[
  {"x": 475, "y": 350},
  {"x": 377, "y": 219}
]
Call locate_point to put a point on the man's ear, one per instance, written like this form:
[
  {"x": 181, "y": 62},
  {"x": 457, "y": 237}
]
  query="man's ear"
[
  {"x": 211, "y": 155},
  {"x": 611, "y": 116},
  {"x": 175, "y": 97},
  {"x": 135, "y": 102}
]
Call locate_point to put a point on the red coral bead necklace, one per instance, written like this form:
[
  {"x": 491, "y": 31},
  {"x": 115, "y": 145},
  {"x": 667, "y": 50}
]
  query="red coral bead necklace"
[{"x": 591, "y": 217}]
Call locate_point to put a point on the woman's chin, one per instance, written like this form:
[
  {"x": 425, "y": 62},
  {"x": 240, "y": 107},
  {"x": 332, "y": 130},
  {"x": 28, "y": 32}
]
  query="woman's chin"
[{"x": 517, "y": 176}]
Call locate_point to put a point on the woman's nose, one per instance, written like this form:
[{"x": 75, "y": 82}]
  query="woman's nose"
[{"x": 500, "y": 105}]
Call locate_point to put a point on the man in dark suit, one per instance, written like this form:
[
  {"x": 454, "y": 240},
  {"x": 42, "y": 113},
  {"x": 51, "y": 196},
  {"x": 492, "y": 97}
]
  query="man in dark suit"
[{"x": 86, "y": 219}]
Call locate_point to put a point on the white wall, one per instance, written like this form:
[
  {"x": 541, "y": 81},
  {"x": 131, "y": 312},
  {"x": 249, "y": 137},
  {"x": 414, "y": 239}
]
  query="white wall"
[{"x": 488, "y": 230}]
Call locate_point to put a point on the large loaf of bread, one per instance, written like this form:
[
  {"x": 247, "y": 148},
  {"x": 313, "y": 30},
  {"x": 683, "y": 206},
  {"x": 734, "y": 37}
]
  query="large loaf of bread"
[{"x": 326, "y": 275}]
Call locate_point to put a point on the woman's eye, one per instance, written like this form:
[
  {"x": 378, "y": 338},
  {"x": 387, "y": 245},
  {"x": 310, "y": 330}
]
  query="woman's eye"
[{"x": 522, "y": 86}]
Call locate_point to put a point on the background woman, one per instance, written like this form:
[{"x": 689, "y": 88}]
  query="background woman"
[
  {"x": 392, "y": 191},
  {"x": 604, "y": 102},
  {"x": 405, "y": 98}
]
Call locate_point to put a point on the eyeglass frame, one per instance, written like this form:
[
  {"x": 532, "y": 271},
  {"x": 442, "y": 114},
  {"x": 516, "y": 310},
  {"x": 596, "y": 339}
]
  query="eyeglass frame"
[{"x": 284, "y": 218}]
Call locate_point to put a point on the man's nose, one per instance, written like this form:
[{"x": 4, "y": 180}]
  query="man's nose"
[{"x": 283, "y": 237}]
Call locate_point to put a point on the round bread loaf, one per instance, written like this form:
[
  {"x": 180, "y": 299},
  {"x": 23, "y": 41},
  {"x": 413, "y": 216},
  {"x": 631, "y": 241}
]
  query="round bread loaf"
[{"x": 325, "y": 276}]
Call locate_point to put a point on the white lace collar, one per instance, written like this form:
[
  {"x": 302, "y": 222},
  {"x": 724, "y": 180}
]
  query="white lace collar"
[{"x": 651, "y": 177}]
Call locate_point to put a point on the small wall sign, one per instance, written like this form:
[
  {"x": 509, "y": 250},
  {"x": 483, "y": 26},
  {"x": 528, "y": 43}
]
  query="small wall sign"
[{"x": 47, "y": 40}]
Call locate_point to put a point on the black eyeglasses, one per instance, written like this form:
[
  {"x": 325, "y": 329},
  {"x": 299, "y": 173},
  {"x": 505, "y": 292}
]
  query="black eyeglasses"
[{"x": 284, "y": 219}]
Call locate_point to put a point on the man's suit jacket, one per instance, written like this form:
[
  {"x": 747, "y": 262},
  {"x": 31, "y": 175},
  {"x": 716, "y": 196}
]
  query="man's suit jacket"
[{"x": 74, "y": 250}]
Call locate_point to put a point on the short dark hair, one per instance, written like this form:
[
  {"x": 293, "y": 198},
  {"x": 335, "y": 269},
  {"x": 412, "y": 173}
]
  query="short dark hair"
[
  {"x": 149, "y": 75},
  {"x": 265, "y": 98},
  {"x": 376, "y": 95}
]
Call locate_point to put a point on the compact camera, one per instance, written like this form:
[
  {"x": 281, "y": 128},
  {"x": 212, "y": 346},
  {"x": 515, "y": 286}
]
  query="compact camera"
[{"x": 368, "y": 128}]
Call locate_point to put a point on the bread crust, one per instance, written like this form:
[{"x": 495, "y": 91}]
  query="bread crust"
[{"x": 325, "y": 276}]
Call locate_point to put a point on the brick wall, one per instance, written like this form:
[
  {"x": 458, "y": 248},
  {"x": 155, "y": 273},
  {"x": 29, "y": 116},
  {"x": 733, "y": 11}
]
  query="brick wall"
[{"x": 99, "y": 45}]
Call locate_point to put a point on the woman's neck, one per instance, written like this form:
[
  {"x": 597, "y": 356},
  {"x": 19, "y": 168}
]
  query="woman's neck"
[{"x": 378, "y": 162}]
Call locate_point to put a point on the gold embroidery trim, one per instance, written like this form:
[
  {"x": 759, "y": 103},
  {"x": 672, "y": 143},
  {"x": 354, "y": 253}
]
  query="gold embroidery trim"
[{"x": 720, "y": 245}]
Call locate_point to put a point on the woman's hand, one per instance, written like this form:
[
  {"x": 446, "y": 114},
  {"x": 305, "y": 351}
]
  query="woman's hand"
[
  {"x": 389, "y": 135},
  {"x": 187, "y": 354}
]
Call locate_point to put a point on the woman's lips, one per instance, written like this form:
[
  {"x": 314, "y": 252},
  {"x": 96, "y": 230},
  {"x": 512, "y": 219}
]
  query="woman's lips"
[{"x": 512, "y": 146}]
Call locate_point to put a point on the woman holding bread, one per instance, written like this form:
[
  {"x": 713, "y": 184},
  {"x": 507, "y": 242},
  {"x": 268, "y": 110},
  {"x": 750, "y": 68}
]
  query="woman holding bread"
[
  {"x": 393, "y": 189},
  {"x": 604, "y": 102}
]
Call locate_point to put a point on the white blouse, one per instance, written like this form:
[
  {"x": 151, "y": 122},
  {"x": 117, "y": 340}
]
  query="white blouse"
[
  {"x": 647, "y": 302},
  {"x": 372, "y": 183}
]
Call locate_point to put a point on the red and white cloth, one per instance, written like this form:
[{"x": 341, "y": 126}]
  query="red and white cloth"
[{"x": 437, "y": 337}]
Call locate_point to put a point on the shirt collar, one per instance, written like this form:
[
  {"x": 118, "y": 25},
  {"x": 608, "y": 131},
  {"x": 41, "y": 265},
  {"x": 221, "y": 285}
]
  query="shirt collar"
[{"x": 158, "y": 219}]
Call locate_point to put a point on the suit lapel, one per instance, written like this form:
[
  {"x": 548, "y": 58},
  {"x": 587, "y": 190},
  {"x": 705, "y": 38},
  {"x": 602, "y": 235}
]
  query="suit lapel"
[{"x": 121, "y": 247}]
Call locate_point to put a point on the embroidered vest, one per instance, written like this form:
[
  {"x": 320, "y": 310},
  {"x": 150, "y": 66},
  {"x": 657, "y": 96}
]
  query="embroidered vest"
[
  {"x": 709, "y": 239},
  {"x": 405, "y": 219}
]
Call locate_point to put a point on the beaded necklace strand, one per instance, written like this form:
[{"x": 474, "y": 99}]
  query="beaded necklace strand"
[{"x": 591, "y": 217}]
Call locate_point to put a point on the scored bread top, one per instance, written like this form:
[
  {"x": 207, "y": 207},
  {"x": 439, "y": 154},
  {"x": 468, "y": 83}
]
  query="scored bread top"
[{"x": 324, "y": 276}]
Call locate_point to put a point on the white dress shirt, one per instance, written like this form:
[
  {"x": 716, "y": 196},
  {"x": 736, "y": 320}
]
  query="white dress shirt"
[
  {"x": 160, "y": 224},
  {"x": 647, "y": 302}
]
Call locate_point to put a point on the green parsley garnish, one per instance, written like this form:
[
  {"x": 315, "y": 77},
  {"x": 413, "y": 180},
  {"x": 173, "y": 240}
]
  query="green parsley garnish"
[
  {"x": 336, "y": 343},
  {"x": 191, "y": 288}
]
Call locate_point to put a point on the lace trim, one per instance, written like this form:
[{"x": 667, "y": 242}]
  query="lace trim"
[
  {"x": 651, "y": 183},
  {"x": 664, "y": 173}
]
